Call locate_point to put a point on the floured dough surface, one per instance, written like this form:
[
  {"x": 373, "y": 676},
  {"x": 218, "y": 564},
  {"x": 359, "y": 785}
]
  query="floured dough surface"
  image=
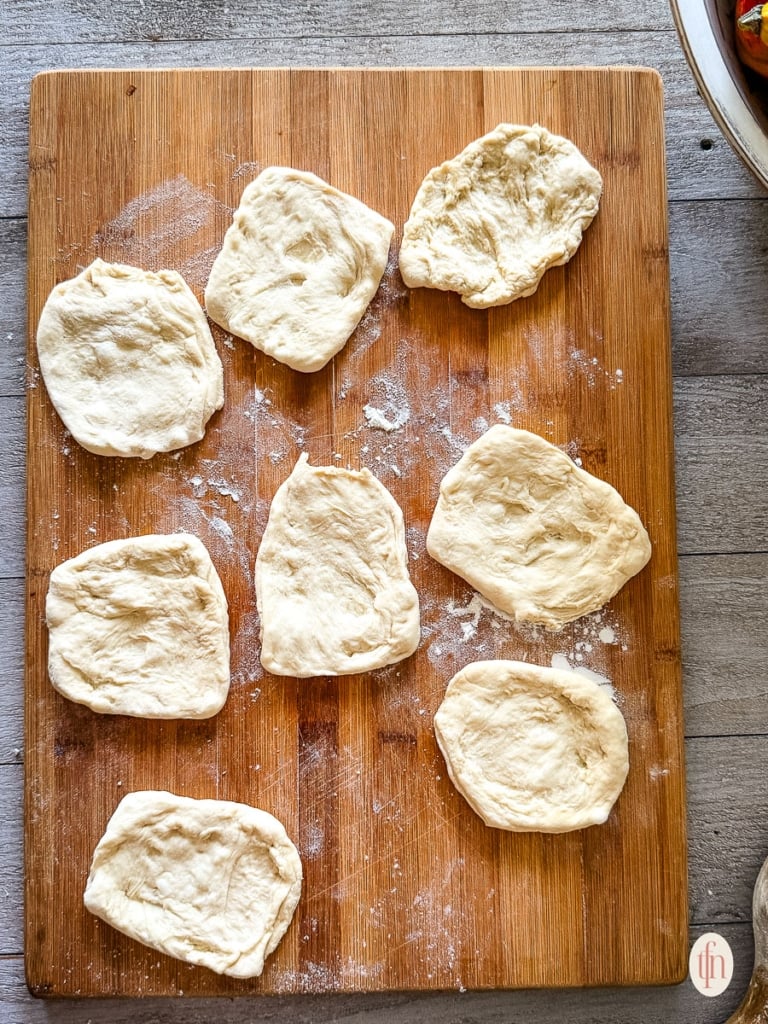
[
  {"x": 332, "y": 583},
  {"x": 541, "y": 539},
  {"x": 128, "y": 360},
  {"x": 299, "y": 266},
  {"x": 492, "y": 220},
  {"x": 211, "y": 882},
  {"x": 140, "y": 627},
  {"x": 532, "y": 749}
]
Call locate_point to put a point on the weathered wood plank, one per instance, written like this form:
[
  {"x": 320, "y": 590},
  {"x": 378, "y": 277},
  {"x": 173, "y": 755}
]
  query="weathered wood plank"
[
  {"x": 727, "y": 824},
  {"x": 13, "y": 258},
  {"x": 694, "y": 172},
  {"x": 12, "y": 472},
  {"x": 33, "y": 21},
  {"x": 721, "y": 463},
  {"x": 724, "y": 608},
  {"x": 11, "y": 671},
  {"x": 11, "y": 859},
  {"x": 717, "y": 256}
]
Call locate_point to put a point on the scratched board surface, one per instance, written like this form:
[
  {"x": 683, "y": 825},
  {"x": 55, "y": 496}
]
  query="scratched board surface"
[{"x": 405, "y": 888}]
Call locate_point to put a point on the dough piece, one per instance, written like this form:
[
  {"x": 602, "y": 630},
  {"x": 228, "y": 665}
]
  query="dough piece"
[
  {"x": 140, "y": 627},
  {"x": 332, "y": 584},
  {"x": 299, "y": 266},
  {"x": 211, "y": 882},
  {"x": 532, "y": 749},
  {"x": 128, "y": 360},
  {"x": 541, "y": 539},
  {"x": 492, "y": 220}
]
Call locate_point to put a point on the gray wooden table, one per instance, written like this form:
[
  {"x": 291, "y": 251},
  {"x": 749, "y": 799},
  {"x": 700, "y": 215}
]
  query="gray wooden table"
[{"x": 719, "y": 267}]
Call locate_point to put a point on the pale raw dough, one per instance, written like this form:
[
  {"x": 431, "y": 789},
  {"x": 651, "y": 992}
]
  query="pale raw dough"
[
  {"x": 541, "y": 539},
  {"x": 492, "y": 220},
  {"x": 532, "y": 749},
  {"x": 299, "y": 266},
  {"x": 211, "y": 882},
  {"x": 128, "y": 360},
  {"x": 332, "y": 584},
  {"x": 140, "y": 627}
]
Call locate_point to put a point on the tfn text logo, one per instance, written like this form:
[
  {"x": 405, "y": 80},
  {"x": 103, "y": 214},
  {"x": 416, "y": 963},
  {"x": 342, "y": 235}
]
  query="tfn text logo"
[{"x": 711, "y": 964}]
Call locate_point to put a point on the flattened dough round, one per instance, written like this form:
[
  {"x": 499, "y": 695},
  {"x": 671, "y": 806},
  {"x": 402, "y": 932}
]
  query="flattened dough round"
[
  {"x": 299, "y": 266},
  {"x": 332, "y": 584},
  {"x": 128, "y": 360},
  {"x": 211, "y": 882},
  {"x": 492, "y": 220},
  {"x": 541, "y": 539},
  {"x": 140, "y": 627},
  {"x": 532, "y": 749}
]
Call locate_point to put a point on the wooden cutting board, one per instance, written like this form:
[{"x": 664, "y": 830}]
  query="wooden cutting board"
[{"x": 405, "y": 888}]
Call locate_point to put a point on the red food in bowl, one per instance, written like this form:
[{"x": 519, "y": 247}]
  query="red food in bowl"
[{"x": 752, "y": 35}]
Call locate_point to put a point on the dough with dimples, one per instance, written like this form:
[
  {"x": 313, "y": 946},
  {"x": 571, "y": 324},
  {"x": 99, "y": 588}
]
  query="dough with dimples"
[
  {"x": 140, "y": 627},
  {"x": 128, "y": 360},
  {"x": 332, "y": 584},
  {"x": 540, "y": 538},
  {"x": 532, "y": 749},
  {"x": 489, "y": 222},
  {"x": 211, "y": 882},
  {"x": 299, "y": 266}
]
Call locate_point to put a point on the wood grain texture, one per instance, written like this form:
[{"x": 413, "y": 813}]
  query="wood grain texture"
[
  {"x": 722, "y": 521},
  {"x": 719, "y": 321},
  {"x": 599, "y": 1006},
  {"x": 724, "y": 609},
  {"x": 694, "y": 172},
  {"x": 30, "y": 21},
  {"x": 404, "y": 886}
]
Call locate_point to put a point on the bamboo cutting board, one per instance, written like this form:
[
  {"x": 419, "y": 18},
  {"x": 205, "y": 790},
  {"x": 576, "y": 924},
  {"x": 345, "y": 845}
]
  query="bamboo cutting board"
[{"x": 404, "y": 888}]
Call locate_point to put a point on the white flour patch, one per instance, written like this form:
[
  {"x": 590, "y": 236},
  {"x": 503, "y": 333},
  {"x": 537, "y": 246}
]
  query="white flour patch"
[
  {"x": 416, "y": 542},
  {"x": 223, "y": 529},
  {"x": 377, "y": 418},
  {"x": 469, "y": 628},
  {"x": 225, "y": 488},
  {"x": 572, "y": 449},
  {"x": 314, "y": 840},
  {"x": 393, "y": 408},
  {"x": 592, "y": 371},
  {"x": 159, "y": 228},
  {"x": 502, "y": 411},
  {"x": 563, "y": 663}
]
